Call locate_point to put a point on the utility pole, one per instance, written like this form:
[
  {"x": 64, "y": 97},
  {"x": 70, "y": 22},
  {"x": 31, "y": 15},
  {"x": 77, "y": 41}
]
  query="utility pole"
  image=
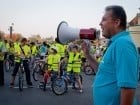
[{"x": 11, "y": 30}]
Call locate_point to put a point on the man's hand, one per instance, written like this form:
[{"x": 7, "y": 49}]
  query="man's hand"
[
  {"x": 85, "y": 48},
  {"x": 93, "y": 63},
  {"x": 127, "y": 96}
]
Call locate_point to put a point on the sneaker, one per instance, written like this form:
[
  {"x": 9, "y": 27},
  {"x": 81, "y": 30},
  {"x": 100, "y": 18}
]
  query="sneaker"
[
  {"x": 11, "y": 85},
  {"x": 30, "y": 85},
  {"x": 81, "y": 91},
  {"x": 41, "y": 84}
]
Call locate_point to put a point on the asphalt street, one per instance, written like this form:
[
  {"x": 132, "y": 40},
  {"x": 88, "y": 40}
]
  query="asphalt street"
[{"x": 36, "y": 96}]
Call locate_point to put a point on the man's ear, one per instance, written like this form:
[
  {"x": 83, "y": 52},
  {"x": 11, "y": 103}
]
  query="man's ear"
[{"x": 117, "y": 23}]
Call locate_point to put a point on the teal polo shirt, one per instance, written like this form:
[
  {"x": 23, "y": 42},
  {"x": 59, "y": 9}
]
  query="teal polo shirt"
[{"x": 118, "y": 68}]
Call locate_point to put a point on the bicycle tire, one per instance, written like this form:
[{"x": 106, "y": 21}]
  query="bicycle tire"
[
  {"x": 20, "y": 85},
  {"x": 20, "y": 80},
  {"x": 88, "y": 70},
  {"x": 7, "y": 65},
  {"x": 57, "y": 84},
  {"x": 44, "y": 84},
  {"x": 35, "y": 73}
]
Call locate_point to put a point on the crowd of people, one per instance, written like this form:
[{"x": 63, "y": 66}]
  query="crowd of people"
[
  {"x": 116, "y": 66},
  {"x": 53, "y": 52}
]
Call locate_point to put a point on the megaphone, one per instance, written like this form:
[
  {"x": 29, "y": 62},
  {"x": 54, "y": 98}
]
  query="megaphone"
[{"x": 67, "y": 34}]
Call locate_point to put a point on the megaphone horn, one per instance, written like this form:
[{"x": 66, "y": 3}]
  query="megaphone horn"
[{"x": 66, "y": 34}]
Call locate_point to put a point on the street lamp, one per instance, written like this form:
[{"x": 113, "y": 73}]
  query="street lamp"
[{"x": 11, "y": 30}]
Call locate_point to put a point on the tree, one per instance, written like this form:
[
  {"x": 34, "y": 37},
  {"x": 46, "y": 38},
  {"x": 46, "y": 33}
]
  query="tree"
[
  {"x": 2, "y": 34},
  {"x": 15, "y": 36}
]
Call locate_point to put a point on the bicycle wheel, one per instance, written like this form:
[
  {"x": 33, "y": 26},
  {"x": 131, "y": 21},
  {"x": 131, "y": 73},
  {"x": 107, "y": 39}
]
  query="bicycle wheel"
[
  {"x": 20, "y": 84},
  {"x": 7, "y": 65},
  {"x": 88, "y": 70},
  {"x": 20, "y": 80},
  {"x": 36, "y": 72},
  {"x": 59, "y": 86},
  {"x": 44, "y": 83}
]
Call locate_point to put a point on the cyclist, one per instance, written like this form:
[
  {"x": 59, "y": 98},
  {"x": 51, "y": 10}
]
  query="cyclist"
[
  {"x": 53, "y": 61},
  {"x": 60, "y": 48},
  {"x": 6, "y": 48},
  {"x": 34, "y": 51},
  {"x": 74, "y": 65},
  {"x": 11, "y": 51},
  {"x": 43, "y": 50},
  {"x": 22, "y": 50},
  {"x": 2, "y": 47}
]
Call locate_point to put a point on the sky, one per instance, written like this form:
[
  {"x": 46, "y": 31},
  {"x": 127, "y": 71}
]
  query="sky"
[{"x": 31, "y": 17}]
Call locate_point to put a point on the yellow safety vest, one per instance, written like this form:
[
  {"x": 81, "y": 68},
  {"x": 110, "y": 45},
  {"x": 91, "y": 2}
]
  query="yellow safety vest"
[
  {"x": 55, "y": 62},
  {"x": 49, "y": 61},
  {"x": 70, "y": 60},
  {"x": 12, "y": 50},
  {"x": 27, "y": 51},
  {"x": 7, "y": 46},
  {"x": 17, "y": 52},
  {"x": 1, "y": 53},
  {"x": 34, "y": 50},
  {"x": 60, "y": 49},
  {"x": 76, "y": 66}
]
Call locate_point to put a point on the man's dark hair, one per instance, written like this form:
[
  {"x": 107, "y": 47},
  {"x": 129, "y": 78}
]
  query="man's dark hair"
[
  {"x": 118, "y": 12},
  {"x": 24, "y": 40}
]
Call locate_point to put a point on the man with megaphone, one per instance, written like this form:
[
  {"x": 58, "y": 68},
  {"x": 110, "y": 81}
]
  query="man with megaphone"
[{"x": 116, "y": 78}]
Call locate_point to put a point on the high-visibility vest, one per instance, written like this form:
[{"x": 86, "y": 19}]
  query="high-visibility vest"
[
  {"x": 60, "y": 49},
  {"x": 55, "y": 62},
  {"x": 7, "y": 46},
  {"x": 50, "y": 61},
  {"x": 1, "y": 47},
  {"x": 76, "y": 65},
  {"x": 70, "y": 60},
  {"x": 33, "y": 50},
  {"x": 16, "y": 43},
  {"x": 27, "y": 51},
  {"x": 17, "y": 52},
  {"x": 12, "y": 50}
]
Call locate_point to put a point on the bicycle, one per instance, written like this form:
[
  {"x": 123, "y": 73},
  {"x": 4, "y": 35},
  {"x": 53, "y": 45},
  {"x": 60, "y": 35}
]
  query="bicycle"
[
  {"x": 9, "y": 63},
  {"x": 60, "y": 85},
  {"x": 38, "y": 67},
  {"x": 21, "y": 74},
  {"x": 48, "y": 78},
  {"x": 87, "y": 69}
]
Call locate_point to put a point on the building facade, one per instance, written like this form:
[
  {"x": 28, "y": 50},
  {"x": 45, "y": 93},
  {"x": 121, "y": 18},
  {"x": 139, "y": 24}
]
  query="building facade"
[{"x": 134, "y": 28}]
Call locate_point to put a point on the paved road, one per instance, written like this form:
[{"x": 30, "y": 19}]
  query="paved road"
[{"x": 35, "y": 96}]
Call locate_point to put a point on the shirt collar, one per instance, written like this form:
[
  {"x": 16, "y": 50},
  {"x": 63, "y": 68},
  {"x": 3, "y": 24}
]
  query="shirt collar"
[{"x": 120, "y": 34}]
